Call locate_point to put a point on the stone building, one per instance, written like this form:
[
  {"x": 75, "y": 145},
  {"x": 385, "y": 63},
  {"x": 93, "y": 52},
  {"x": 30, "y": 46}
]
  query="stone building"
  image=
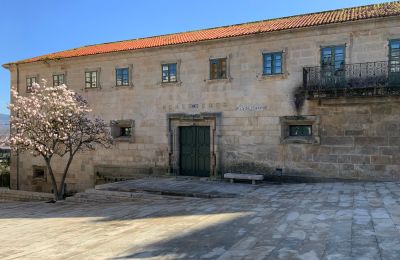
[{"x": 316, "y": 95}]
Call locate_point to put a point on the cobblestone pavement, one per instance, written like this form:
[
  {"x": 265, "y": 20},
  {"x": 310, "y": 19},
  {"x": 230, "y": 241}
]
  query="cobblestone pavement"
[{"x": 291, "y": 221}]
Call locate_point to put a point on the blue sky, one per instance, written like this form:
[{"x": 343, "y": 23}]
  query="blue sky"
[{"x": 34, "y": 27}]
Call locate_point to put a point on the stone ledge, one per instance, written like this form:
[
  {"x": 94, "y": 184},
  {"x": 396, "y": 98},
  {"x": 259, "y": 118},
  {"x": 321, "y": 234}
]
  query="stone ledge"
[{"x": 19, "y": 195}]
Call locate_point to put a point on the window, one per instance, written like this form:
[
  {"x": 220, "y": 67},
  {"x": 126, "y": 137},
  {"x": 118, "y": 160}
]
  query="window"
[
  {"x": 300, "y": 130},
  {"x": 169, "y": 73},
  {"x": 272, "y": 63},
  {"x": 333, "y": 56},
  {"x": 125, "y": 131},
  {"x": 394, "y": 56},
  {"x": 38, "y": 172},
  {"x": 122, "y": 77},
  {"x": 58, "y": 80},
  {"x": 218, "y": 68},
  {"x": 29, "y": 83},
  {"x": 122, "y": 130},
  {"x": 91, "y": 79}
]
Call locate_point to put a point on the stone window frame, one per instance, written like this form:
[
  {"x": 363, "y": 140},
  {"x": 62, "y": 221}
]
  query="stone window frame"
[
  {"x": 28, "y": 89},
  {"x": 285, "y": 72},
  {"x": 228, "y": 78},
  {"x": 98, "y": 84},
  {"x": 57, "y": 73},
  {"x": 287, "y": 121},
  {"x": 178, "y": 81},
  {"x": 114, "y": 74},
  {"x": 41, "y": 168},
  {"x": 115, "y": 127}
]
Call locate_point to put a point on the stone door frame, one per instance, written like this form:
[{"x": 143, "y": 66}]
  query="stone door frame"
[{"x": 176, "y": 120}]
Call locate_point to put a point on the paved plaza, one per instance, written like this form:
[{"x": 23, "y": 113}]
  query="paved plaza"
[{"x": 289, "y": 221}]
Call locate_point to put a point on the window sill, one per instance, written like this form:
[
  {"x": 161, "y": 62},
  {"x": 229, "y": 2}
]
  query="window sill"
[
  {"x": 224, "y": 80},
  {"x": 169, "y": 84},
  {"x": 127, "y": 139},
  {"x": 91, "y": 89},
  {"x": 123, "y": 86},
  {"x": 301, "y": 140},
  {"x": 272, "y": 76}
]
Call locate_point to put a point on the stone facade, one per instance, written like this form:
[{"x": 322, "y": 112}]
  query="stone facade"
[{"x": 354, "y": 138}]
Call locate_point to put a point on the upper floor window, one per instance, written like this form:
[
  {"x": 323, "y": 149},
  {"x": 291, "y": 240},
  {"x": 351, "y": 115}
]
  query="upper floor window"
[
  {"x": 29, "y": 83},
  {"x": 272, "y": 63},
  {"x": 58, "y": 80},
  {"x": 218, "y": 68},
  {"x": 394, "y": 55},
  {"x": 333, "y": 57},
  {"x": 91, "y": 79},
  {"x": 122, "y": 77},
  {"x": 169, "y": 73}
]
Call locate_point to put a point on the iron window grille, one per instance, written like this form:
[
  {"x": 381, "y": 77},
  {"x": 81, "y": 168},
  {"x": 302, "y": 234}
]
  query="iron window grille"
[
  {"x": 300, "y": 130},
  {"x": 125, "y": 131}
]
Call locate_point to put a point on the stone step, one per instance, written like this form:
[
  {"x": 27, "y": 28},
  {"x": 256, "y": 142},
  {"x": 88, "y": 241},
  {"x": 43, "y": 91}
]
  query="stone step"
[
  {"x": 19, "y": 195},
  {"x": 93, "y": 195}
]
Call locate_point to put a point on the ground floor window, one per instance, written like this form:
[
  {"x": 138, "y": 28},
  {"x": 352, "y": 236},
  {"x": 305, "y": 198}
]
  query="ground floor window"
[{"x": 299, "y": 129}]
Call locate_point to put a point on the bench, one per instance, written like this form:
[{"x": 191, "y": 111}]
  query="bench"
[{"x": 244, "y": 176}]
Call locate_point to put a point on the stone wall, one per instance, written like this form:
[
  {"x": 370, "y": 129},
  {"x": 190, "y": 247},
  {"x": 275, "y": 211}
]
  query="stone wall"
[{"x": 357, "y": 139}]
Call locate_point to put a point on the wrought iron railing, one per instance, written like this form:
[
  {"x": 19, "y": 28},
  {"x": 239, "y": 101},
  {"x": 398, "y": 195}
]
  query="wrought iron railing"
[{"x": 358, "y": 79}]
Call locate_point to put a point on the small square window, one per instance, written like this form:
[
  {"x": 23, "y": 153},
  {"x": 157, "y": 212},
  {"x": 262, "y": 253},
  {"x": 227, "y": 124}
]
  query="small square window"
[
  {"x": 300, "y": 130},
  {"x": 91, "y": 79},
  {"x": 39, "y": 172},
  {"x": 218, "y": 68},
  {"x": 122, "y": 77},
  {"x": 169, "y": 72},
  {"x": 272, "y": 63},
  {"x": 58, "y": 80},
  {"x": 29, "y": 83},
  {"x": 122, "y": 130}
]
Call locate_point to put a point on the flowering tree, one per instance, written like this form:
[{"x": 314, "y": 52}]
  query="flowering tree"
[{"x": 53, "y": 121}]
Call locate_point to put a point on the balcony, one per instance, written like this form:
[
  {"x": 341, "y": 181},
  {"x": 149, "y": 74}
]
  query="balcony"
[{"x": 357, "y": 80}]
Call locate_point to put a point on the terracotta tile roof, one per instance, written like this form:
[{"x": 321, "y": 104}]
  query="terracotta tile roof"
[{"x": 285, "y": 23}]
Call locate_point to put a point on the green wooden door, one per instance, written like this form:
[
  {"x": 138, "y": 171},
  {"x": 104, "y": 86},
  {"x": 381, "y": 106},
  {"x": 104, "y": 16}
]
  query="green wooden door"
[{"x": 195, "y": 151}]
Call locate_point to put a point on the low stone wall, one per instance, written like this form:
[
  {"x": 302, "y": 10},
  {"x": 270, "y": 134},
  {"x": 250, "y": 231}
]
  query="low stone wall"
[{"x": 19, "y": 195}]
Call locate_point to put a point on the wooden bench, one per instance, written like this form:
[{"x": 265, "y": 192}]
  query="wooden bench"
[{"x": 243, "y": 176}]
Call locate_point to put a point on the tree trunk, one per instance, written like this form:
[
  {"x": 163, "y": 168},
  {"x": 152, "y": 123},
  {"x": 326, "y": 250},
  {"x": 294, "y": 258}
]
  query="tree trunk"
[
  {"x": 53, "y": 180},
  {"x": 61, "y": 190}
]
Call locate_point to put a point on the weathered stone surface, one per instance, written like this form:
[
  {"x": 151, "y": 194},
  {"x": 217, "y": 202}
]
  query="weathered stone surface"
[
  {"x": 289, "y": 221},
  {"x": 247, "y": 136}
]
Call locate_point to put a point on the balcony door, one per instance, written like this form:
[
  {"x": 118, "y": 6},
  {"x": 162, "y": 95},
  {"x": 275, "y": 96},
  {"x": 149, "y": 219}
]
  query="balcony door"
[
  {"x": 332, "y": 66},
  {"x": 394, "y": 63}
]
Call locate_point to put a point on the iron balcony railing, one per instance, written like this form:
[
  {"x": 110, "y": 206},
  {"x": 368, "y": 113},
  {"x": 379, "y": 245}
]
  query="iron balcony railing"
[{"x": 359, "y": 79}]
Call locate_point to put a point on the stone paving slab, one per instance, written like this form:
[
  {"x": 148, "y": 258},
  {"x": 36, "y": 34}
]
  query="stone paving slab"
[
  {"x": 290, "y": 221},
  {"x": 181, "y": 187}
]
